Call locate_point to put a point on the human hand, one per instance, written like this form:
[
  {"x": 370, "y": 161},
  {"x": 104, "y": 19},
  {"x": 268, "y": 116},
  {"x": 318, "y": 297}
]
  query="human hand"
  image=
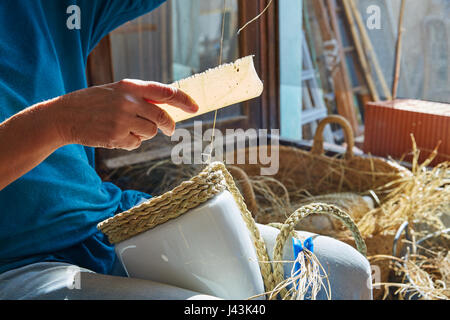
[{"x": 118, "y": 115}]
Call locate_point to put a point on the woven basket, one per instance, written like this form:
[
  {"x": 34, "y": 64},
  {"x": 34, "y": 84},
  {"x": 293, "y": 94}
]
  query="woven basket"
[{"x": 319, "y": 174}]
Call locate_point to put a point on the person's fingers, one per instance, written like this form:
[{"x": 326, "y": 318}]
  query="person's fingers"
[
  {"x": 143, "y": 128},
  {"x": 156, "y": 92},
  {"x": 130, "y": 142},
  {"x": 157, "y": 116}
]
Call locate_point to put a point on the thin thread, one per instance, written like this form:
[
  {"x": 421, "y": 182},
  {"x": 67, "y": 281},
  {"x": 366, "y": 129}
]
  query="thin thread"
[
  {"x": 255, "y": 18},
  {"x": 222, "y": 31},
  {"x": 220, "y": 62}
]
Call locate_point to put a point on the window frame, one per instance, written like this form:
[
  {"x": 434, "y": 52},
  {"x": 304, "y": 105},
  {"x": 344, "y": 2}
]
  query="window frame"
[{"x": 260, "y": 113}]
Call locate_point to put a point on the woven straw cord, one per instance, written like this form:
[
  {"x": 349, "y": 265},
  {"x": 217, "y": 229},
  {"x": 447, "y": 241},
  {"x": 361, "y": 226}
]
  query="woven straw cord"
[
  {"x": 258, "y": 241},
  {"x": 161, "y": 209},
  {"x": 287, "y": 230},
  {"x": 211, "y": 181}
]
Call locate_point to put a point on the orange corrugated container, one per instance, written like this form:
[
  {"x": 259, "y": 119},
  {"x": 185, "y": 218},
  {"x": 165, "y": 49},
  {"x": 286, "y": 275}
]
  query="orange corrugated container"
[{"x": 388, "y": 125}]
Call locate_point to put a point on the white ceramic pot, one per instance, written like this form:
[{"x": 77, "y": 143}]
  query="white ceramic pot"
[{"x": 207, "y": 250}]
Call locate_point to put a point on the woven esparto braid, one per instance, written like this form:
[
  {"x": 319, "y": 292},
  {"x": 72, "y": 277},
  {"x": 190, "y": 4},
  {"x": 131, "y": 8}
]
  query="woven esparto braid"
[
  {"x": 170, "y": 205},
  {"x": 258, "y": 241}
]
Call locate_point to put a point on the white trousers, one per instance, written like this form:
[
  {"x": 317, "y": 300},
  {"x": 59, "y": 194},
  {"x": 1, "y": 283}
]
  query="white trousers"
[{"x": 348, "y": 271}]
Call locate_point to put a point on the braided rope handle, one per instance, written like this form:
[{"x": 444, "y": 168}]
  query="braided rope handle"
[
  {"x": 272, "y": 277},
  {"x": 258, "y": 241},
  {"x": 158, "y": 210},
  {"x": 247, "y": 189},
  {"x": 287, "y": 230},
  {"x": 317, "y": 147}
]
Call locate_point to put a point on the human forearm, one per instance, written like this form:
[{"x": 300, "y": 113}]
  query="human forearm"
[
  {"x": 116, "y": 115},
  {"x": 27, "y": 139}
]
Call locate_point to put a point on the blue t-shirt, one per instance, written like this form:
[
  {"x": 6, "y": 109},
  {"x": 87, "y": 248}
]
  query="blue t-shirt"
[{"x": 51, "y": 213}]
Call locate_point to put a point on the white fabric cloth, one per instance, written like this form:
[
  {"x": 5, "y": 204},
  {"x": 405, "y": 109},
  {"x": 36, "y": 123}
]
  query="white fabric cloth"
[{"x": 348, "y": 271}]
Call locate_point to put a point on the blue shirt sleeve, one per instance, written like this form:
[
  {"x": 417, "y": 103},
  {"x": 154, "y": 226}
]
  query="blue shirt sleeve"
[{"x": 99, "y": 17}]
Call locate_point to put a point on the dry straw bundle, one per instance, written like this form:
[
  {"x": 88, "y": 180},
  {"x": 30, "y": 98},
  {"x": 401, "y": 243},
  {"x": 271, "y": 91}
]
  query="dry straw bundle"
[
  {"x": 378, "y": 194},
  {"x": 424, "y": 269},
  {"x": 155, "y": 177}
]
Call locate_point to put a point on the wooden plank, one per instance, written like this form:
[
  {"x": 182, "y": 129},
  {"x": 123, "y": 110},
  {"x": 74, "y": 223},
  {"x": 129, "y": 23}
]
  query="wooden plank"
[
  {"x": 250, "y": 45},
  {"x": 398, "y": 50},
  {"x": 342, "y": 87},
  {"x": 349, "y": 49},
  {"x": 360, "y": 50},
  {"x": 332, "y": 8},
  {"x": 99, "y": 65},
  {"x": 350, "y": 56},
  {"x": 369, "y": 50},
  {"x": 260, "y": 38},
  {"x": 270, "y": 64}
]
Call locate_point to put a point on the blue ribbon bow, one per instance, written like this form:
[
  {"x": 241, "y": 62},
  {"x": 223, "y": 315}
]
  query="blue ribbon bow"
[{"x": 298, "y": 247}]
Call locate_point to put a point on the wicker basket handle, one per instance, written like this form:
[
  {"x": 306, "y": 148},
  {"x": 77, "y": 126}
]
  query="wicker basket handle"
[{"x": 317, "y": 147}]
